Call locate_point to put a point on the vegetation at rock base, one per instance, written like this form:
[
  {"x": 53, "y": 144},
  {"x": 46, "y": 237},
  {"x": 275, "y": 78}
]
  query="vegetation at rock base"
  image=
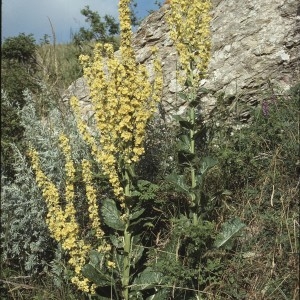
[{"x": 203, "y": 209}]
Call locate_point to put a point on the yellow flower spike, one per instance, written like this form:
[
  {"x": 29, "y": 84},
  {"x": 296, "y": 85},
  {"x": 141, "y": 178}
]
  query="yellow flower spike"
[
  {"x": 61, "y": 222},
  {"x": 123, "y": 100},
  {"x": 189, "y": 22},
  {"x": 92, "y": 199}
]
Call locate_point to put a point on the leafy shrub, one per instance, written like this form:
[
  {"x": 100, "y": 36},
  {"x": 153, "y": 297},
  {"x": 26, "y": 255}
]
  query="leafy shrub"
[{"x": 18, "y": 72}]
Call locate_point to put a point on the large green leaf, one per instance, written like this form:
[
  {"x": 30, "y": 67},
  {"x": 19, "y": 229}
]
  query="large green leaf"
[
  {"x": 184, "y": 143},
  {"x": 230, "y": 229},
  {"x": 111, "y": 215},
  {"x": 96, "y": 276},
  {"x": 147, "y": 279},
  {"x": 207, "y": 163},
  {"x": 179, "y": 183}
]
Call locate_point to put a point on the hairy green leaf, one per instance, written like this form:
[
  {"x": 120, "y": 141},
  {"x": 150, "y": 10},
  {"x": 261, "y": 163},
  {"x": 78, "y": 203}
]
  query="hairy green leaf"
[
  {"x": 179, "y": 182},
  {"x": 96, "y": 276},
  {"x": 111, "y": 215},
  {"x": 147, "y": 279},
  {"x": 229, "y": 230}
]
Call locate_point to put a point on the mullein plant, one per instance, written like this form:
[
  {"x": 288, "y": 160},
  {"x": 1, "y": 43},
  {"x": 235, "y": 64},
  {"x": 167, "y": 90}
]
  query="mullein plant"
[
  {"x": 189, "y": 23},
  {"x": 194, "y": 233},
  {"x": 123, "y": 99}
]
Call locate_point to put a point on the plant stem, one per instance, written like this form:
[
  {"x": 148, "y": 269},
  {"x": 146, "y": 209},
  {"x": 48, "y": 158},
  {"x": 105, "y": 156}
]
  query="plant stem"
[
  {"x": 127, "y": 243},
  {"x": 192, "y": 145},
  {"x": 192, "y": 150},
  {"x": 126, "y": 261}
]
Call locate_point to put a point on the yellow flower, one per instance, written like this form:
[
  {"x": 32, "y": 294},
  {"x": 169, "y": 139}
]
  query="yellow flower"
[{"x": 111, "y": 264}]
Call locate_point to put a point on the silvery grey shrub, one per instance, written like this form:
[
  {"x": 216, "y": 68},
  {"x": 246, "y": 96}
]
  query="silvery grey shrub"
[{"x": 25, "y": 241}]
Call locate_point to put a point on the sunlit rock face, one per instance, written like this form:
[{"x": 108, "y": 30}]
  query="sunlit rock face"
[{"x": 255, "y": 47}]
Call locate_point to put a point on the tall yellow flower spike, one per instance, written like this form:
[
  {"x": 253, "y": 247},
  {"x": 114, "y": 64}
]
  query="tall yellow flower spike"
[
  {"x": 123, "y": 100},
  {"x": 189, "y": 22},
  {"x": 61, "y": 222},
  {"x": 92, "y": 199}
]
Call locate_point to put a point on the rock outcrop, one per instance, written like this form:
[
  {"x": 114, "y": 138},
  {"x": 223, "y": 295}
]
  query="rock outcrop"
[{"x": 254, "y": 44}]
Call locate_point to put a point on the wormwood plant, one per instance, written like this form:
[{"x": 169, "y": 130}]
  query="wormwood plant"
[
  {"x": 123, "y": 100},
  {"x": 25, "y": 242}
]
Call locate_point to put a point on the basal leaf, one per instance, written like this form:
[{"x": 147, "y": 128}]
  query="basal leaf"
[
  {"x": 147, "y": 279},
  {"x": 229, "y": 230}
]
